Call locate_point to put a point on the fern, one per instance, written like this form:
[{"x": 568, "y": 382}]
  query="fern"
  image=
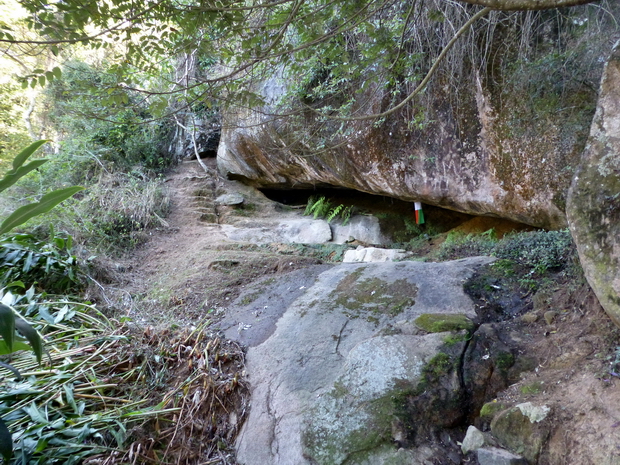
[
  {"x": 334, "y": 212},
  {"x": 311, "y": 201},
  {"x": 321, "y": 207},
  {"x": 346, "y": 214},
  {"x": 318, "y": 208}
]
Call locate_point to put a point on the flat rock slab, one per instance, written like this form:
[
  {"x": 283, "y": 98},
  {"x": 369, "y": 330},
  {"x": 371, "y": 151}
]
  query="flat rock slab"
[
  {"x": 287, "y": 231},
  {"x": 374, "y": 254},
  {"x": 336, "y": 357},
  {"x": 363, "y": 228},
  {"x": 254, "y": 316},
  {"x": 230, "y": 199}
]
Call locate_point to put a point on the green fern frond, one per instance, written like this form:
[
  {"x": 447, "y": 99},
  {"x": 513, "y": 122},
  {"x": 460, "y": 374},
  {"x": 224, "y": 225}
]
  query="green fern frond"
[{"x": 334, "y": 212}]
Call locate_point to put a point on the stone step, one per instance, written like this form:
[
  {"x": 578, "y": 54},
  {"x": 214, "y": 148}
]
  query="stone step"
[
  {"x": 208, "y": 218},
  {"x": 203, "y": 204}
]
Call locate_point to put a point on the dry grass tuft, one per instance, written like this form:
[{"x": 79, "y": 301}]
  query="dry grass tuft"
[{"x": 195, "y": 378}]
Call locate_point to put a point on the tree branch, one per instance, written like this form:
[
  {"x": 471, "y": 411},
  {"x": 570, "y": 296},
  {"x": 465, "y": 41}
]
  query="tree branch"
[
  {"x": 515, "y": 5},
  {"x": 427, "y": 78}
]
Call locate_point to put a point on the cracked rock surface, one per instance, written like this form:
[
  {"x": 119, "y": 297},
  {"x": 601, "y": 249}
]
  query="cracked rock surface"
[{"x": 331, "y": 381}]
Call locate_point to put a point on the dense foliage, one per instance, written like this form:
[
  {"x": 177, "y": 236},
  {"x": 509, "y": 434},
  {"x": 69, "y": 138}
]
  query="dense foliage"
[{"x": 31, "y": 262}]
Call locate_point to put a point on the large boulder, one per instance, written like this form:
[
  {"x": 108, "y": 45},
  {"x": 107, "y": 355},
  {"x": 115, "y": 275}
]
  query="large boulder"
[
  {"x": 478, "y": 173},
  {"x": 343, "y": 375},
  {"x": 594, "y": 199},
  {"x": 285, "y": 230},
  {"x": 498, "y": 131}
]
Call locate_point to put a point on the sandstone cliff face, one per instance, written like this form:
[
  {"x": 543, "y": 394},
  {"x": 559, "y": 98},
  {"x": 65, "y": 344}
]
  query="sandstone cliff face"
[
  {"x": 503, "y": 139},
  {"x": 594, "y": 200},
  {"x": 465, "y": 164}
]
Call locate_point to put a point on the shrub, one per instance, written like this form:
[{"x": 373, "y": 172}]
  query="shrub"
[
  {"x": 97, "y": 116},
  {"x": 540, "y": 250},
  {"x": 458, "y": 245},
  {"x": 119, "y": 207},
  {"x": 48, "y": 265}
]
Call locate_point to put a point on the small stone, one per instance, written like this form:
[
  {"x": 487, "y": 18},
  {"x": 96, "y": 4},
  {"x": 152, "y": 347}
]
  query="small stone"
[
  {"x": 550, "y": 316},
  {"x": 229, "y": 199},
  {"x": 496, "y": 456},
  {"x": 535, "y": 413},
  {"x": 529, "y": 317},
  {"x": 474, "y": 440}
]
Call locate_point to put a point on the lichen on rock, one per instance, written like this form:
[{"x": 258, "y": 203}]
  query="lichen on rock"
[{"x": 593, "y": 208}]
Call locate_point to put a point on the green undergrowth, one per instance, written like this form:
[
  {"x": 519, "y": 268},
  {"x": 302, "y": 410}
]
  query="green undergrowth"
[
  {"x": 405, "y": 231},
  {"x": 533, "y": 257},
  {"x": 118, "y": 157},
  {"x": 72, "y": 405},
  {"x": 105, "y": 390},
  {"x": 112, "y": 215},
  {"x": 530, "y": 267},
  {"x": 26, "y": 261}
]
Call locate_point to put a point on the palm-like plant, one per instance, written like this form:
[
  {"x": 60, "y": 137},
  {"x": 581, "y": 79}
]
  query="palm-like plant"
[{"x": 11, "y": 321}]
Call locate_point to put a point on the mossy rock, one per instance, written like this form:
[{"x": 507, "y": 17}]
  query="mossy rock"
[
  {"x": 522, "y": 429},
  {"x": 490, "y": 409},
  {"x": 442, "y": 322}
]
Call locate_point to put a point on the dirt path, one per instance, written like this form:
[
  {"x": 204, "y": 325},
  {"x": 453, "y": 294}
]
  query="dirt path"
[{"x": 190, "y": 268}]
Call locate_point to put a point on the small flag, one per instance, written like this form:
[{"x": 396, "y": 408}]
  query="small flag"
[{"x": 419, "y": 214}]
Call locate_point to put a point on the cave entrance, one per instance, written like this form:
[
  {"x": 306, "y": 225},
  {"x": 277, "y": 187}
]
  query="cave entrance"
[
  {"x": 207, "y": 143},
  {"x": 396, "y": 217}
]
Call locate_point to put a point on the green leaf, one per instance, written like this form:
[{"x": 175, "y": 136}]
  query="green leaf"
[
  {"x": 29, "y": 293},
  {"x": 16, "y": 284},
  {"x": 24, "y": 154},
  {"x": 59, "y": 242},
  {"x": 70, "y": 399},
  {"x": 6, "y": 442},
  {"x": 47, "y": 202},
  {"x": 17, "y": 345},
  {"x": 13, "y": 176},
  {"x": 33, "y": 337},
  {"x": 29, "y": 262},
  {"x": 7, "y": 325},
  {"x": 35, "y": 414},
  {"x": 61, "y": 314},
  {"x": 45, "y": 314}
]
